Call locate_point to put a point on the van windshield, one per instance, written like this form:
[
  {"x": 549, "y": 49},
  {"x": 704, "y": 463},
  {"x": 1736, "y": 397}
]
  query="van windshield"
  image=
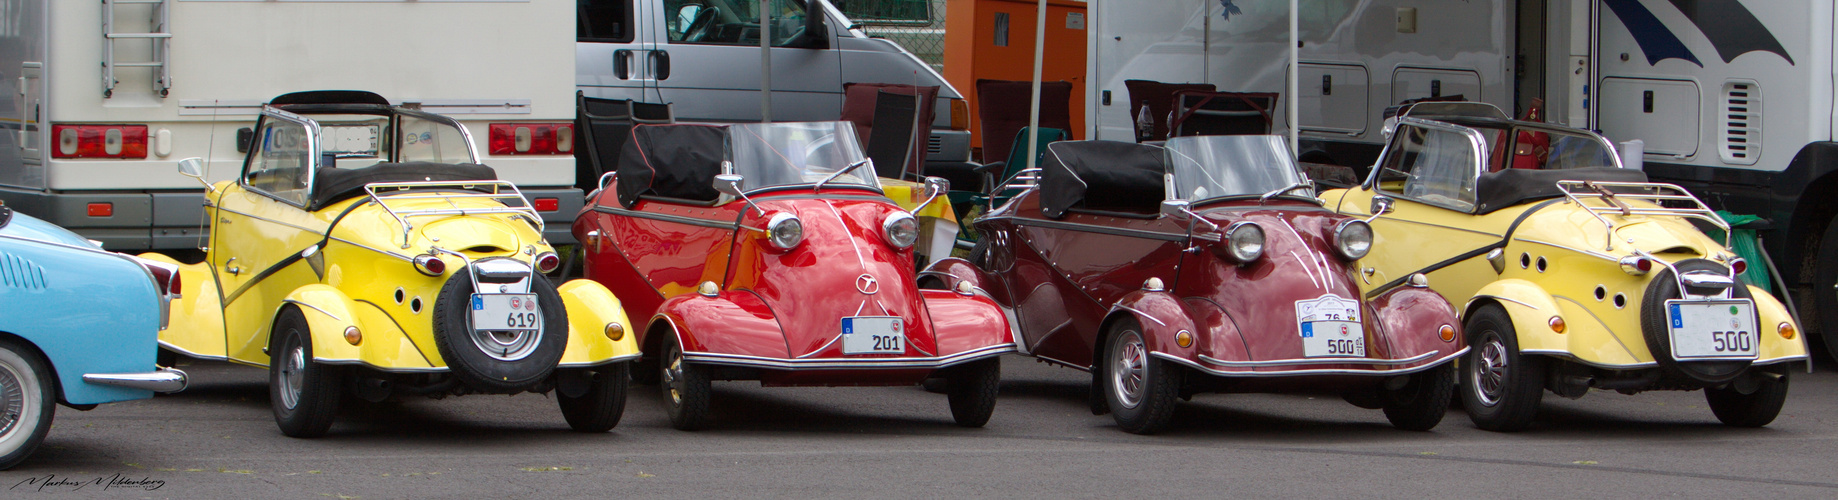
[{"x": 786, "y": 154}]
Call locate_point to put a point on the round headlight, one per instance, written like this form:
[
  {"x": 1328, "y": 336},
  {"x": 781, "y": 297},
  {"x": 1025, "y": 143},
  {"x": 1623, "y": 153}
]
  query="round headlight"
[
  {"x": 784, "y": 230},
  {"x": 1353, "y": 239},
  {"x": 1245, "y": 241},
  {"x": 902, "y": 229}
]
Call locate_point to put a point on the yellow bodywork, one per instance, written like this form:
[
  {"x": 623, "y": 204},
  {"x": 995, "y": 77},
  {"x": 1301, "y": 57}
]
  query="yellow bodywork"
[
  {"x": 266, "y": 255},
  {"x": 1556, "y": 260}
]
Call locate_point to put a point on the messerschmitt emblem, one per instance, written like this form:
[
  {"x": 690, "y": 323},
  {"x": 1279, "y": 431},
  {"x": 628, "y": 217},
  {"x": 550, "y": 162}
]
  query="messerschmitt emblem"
[{"x": 867, "y": 284}]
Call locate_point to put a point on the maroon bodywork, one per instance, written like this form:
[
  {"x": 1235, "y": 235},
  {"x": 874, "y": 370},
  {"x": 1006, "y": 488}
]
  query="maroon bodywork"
[{"x": 1069, "y": 279}]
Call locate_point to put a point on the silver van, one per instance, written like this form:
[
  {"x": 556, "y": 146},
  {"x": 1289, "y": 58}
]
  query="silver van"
[{"x": 703, "y": 57}]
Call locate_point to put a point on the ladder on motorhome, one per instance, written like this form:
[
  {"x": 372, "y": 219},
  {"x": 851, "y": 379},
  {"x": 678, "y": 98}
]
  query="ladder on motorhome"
[{"x": 160, "y": 38}]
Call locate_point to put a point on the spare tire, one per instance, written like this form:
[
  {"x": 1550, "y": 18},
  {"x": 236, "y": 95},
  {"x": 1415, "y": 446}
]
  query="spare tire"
[
  {"x": 1659, "y": 340},
  {"x": 499, "y": 361}
]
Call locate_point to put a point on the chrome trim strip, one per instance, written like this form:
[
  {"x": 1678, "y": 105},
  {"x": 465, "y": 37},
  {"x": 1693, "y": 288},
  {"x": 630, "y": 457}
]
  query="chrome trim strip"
[
  {"x": 1138, "y": 313},
  {"x": 1496, "y": 297},
  {"x": 1318, "y": 371},
  {"x": 162, "y": 379},
  {"x": 1322, "y": 361},
  {"x": 1785, "y": 359},
  {"x": 313, "y": 307},
  {"x": 847, "y": 364},
  {"x": 1568, "y": 356},
  {"x": 1057, "y": 361},
  {"x": 398, "y": 369},
  {"x": 680, "y": 219},
  {"x": 168, "y": 346},
  {"x": 607, "y": 361}
]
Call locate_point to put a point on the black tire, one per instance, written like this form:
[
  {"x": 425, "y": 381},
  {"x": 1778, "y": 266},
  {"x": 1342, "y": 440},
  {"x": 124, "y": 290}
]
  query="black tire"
[
  {"x": 685, "y": 387},
  {"x": 1420, "y": 404},
  {"x": 1825, "y": 289},
  {"x": 1659, "y": 339},
  {"x": 507, "y": 372},
  {"x": 971, "y": 389},
  {"x": 304, "y": 394},
  {"x": 1754, "y": 409},
  {"x": 26, "y": 393},
  {"x": 1501, "y": 387},
  {"x": 600, "y": 408},
  {"x": 1141, "y": 390}
]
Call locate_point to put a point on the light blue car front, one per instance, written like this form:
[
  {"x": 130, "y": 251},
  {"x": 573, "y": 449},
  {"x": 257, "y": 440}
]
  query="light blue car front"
[{"x": 93, "y": 316}]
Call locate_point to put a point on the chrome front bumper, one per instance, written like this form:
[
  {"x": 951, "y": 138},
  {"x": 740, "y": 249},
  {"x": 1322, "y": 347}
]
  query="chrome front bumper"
[{"x": 162, "y": 380}]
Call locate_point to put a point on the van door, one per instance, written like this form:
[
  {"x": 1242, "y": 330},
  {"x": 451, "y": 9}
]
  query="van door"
[
  {"x": 708, "y": 61},
  {"x": 611, "y": 48}
]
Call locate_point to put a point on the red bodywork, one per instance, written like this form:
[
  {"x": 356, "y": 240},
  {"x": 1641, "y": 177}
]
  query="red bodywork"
[
  {"x": 1069, "y": 278},
  {"x": 777, "y": 314}
]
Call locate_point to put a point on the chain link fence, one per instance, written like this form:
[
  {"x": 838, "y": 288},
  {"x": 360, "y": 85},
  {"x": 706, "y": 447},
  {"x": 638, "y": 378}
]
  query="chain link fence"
[{"x": 917, "y": 25}]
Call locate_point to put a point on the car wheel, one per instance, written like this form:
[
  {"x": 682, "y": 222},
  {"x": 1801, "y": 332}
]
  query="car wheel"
[
  {"x": 1501, "y": 387},
  {"x": 1825, "y": 288},
  {"x": 1419, "y": 405},
  {"x": 499, "y": 361},
  {"x": 685, "y": 386},
  {"x": 1140, "y": 389},
  {"x": 1653, "y": 320},
  {"x": 971, "y": 389},
  {"x": 304, "y": 394},
  {"x": 25, "y": 403},
  {"x": 1754, "y": 409},
  {"x": 600, "y": 408}
]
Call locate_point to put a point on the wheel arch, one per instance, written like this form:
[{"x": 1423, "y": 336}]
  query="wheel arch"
[{"x": 57, "y": 381}]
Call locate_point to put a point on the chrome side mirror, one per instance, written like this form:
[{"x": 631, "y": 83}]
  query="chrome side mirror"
[
  {"x": 934, "y": 186},
  {"x": 1381, "y": 205},
  {"x": 1176, "y": 209},
  {"x": 729, "y": 184},
  {"x": 194, "y": 168}
]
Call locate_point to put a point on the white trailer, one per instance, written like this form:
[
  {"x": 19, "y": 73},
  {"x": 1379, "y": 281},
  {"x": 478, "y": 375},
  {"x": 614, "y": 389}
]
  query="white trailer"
[
  {"x": 104, "y": 97},
  {"x": 1732, "y": 99}
]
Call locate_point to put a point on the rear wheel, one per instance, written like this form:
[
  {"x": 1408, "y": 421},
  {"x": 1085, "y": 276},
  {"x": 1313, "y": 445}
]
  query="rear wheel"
[
  {"x": 304, "y": 394},
  {"x": 25, "y": 403},
  {"x": 1420, "y": 404},
  {"x": 600, "y": 408},
  {"x": 1140, "y": 390},
  {"x": 971, "y": 389},
  {"x": 1754, "y": 409},
  {"x": 1501, "y": 387},
  {"x": 686, "y": 388}
]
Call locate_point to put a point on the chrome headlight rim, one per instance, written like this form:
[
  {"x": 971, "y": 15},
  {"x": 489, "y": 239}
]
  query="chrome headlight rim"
[
  {"x": 891, "y": 230},
  {"x": 1244, "y": 241},
  {"x": 1348, "y": 244},
  {"x": 784, "y": 231}
]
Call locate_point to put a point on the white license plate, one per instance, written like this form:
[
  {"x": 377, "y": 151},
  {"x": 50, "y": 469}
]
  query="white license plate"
[
  {"x": 506, "y": 311},
  {"x": 1330, "y": 327},
  {"x": 873, "y": 335},
  {"x": 1712, "y": 329}
]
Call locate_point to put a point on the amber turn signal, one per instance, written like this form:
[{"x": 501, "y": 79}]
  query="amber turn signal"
[
  {"x": 1786, "y": 330},
  {"x": 1183, "y": 338},
  {"x": 1448, "y": 333},
  {"x": 1557, "y": 324},
  {"x": 615, "y": 331},
  {"x": 353, "y": 336}
]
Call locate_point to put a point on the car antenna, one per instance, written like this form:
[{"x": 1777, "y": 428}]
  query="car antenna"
[{"x": 210, "y": 151}]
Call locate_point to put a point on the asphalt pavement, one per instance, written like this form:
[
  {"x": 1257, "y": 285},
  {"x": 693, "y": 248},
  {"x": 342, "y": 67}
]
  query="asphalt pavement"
[{"x": 218, "y": 440}]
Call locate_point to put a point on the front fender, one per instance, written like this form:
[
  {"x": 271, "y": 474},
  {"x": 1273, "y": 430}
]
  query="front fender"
[
  {"x": 1161, "y": 316},
  {"x": 1774, "y": 348},
  {"x": 329, "y": 312},
  {"x": 732, "y": 322},
  {"x": 963, "y": 323},
  {"x": 1531, "y": 308},
  {"x": 591, "y": 307},
  {"x": 1413, "y": 318}
]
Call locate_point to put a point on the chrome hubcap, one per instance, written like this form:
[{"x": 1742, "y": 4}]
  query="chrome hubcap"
[
  {"x": 1129, "y": 368},
  {"x": 293, "y": 372},
  {"x": 1490, "y": 370},
  {"x": 12, "y": 401},
  {"x": 673, "y": 376}
]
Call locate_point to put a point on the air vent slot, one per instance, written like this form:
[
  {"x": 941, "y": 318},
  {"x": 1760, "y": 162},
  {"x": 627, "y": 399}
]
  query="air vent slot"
[
  {"x": 1739, "y": 126},
  {"x": 934, "y": 145},
  {"x": 17, "y": 272}
]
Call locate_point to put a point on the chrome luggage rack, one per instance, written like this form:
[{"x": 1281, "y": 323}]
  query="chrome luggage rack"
[
  {"x": 503, "y": 191},
  {"x": 1653, "y": 193}
]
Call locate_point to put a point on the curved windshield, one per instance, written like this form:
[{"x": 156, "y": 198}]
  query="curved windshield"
[
  {"x": 788, "y": 154},
  {"x": 1206, "y": 167}
]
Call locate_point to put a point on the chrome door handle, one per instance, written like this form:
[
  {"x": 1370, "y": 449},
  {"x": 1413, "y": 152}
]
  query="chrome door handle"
[{"x": 231, "y": 269}]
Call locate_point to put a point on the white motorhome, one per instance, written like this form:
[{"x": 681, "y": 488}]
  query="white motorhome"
[
  {"x": 1732, "y": 99},
  {"x": 703, "y": 57},
  {"x": 104, "y": 97}
]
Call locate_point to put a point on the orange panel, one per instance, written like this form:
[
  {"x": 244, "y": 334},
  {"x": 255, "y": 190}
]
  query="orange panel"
[{"x": 971, "y": 54}]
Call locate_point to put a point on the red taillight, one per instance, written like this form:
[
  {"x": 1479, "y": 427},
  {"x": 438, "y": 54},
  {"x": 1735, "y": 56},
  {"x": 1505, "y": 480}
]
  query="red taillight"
[
  {"x": 430, "y": 265},
  {"x": 547, "y": 204},
  {"x": 165, "y": 278},
  {"x": 101, "y": 209},
  {"x": 547, "y": 262},
  {"x": 1644, "y": 265},
  {"x": 99, "y": 141},
  {"x": 1740, "y": 266},
  {"x": 532, "y": 138}
]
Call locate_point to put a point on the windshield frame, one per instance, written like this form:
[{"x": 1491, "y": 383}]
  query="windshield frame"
[
  {"x": 1170, "y": 164},
  {"x": 864, "y": 171}
]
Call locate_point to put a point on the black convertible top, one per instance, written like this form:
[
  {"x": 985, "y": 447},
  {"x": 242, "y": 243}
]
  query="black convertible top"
[
  {"x": 332, "y": 185},
  {"x": 673, "y": 160},
  {"x": 1513, "y": 186},
  {"x": 1101, "y": 175}
]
